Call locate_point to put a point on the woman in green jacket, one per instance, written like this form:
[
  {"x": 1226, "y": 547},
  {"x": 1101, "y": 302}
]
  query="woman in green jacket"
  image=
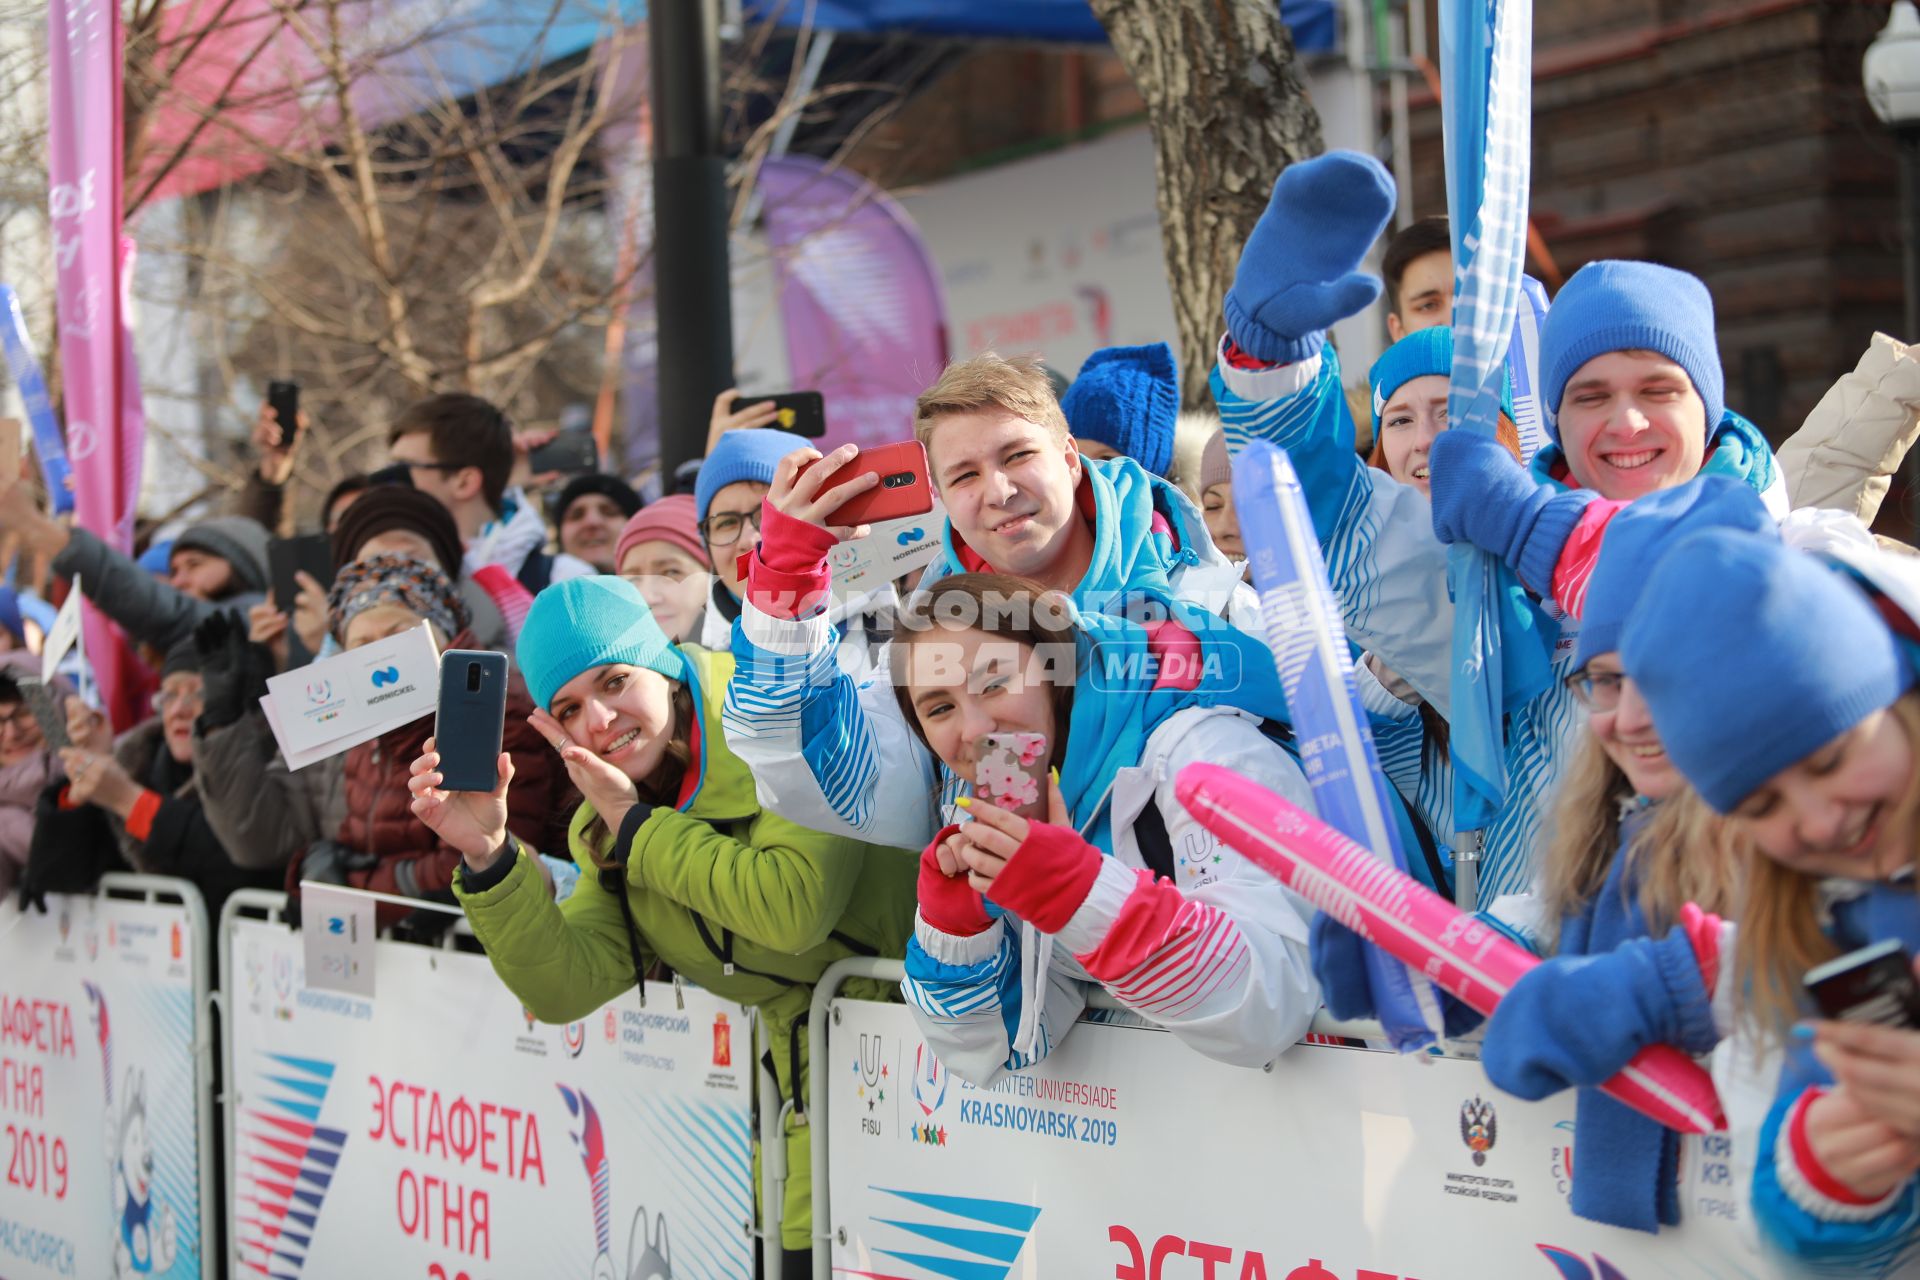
[{"x": 679, "y": 863}]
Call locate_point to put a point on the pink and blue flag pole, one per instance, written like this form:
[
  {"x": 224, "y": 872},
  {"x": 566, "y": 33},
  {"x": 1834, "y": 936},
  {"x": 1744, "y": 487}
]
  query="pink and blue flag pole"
[{"x": 92, "y": 270}]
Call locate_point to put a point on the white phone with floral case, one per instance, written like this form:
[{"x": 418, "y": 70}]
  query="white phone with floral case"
[{"x": 1010, "y": 770}]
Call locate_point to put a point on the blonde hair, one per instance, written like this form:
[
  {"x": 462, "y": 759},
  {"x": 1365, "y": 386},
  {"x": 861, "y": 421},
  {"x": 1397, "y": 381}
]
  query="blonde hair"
[
  {"x": 1683, "y": 853},
  {"x": 1191, "y": 431},
  {"x": 1017, "y": 384},
  {"x": 1780, "y": 935}
]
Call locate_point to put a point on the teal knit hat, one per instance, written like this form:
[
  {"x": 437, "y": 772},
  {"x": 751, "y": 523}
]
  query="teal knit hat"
[
  {"x": 1420, "y": 353},
  {"x": 590, "y": 622}
]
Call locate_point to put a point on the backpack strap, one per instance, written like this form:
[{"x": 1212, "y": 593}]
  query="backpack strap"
[
  {"x": 536, "y": 571},
  {"x": 1156, "y": 846}
]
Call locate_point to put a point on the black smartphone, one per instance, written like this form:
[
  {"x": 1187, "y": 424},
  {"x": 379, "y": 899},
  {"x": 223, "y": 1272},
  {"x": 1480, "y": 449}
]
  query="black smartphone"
[
  {"x": 309, "y": 553},
  {"x": 1874, "y": 984},
  {"x": 40, "y": 705},
  {"x": 284, "y": 399},
  {"x": 802, "y": 412},
  {"x": 570, "y": 451},
  {"x": 470, "y": 718}
]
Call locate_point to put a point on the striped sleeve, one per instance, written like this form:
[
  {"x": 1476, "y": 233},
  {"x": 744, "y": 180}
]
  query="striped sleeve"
[
  {"x": 1218, "y": 956},
  {"x": 1574, "y": 571},
  {"x": 1819, "y": 1224},
  {"x": 1387, "y": 570},
  {"x": 966, "y": 996},
  {"x": 823, "y": 748}
]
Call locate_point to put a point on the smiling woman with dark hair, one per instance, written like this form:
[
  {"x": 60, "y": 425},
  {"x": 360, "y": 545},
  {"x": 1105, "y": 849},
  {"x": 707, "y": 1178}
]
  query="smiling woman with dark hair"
[{"x": 679, "y": 863}]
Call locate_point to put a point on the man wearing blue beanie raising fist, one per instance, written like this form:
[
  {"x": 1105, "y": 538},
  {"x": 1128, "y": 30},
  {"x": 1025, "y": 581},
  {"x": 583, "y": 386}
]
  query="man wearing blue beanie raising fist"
[{"x": 1631, "y": 381}]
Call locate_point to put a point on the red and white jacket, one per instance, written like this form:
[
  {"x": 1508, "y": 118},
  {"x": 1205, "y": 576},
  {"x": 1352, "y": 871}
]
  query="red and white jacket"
[{"x": 1218, "y": 956}]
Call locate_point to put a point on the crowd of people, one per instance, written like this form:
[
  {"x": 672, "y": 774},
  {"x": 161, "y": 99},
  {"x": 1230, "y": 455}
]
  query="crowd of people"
[{"x": 717, "y": 765}]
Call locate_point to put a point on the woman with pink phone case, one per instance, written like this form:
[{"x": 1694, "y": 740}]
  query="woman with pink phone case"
[{"x": 1075, "y": 866}]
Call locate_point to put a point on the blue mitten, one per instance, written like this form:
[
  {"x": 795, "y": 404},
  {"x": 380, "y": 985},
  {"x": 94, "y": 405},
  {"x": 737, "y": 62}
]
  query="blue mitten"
[
  {"x": 1482, "y": 495},
  {"x": 1576, "y": 1020},
  {"x": 1340, "y": 966},
  {"x": 1298, "y": 272}
]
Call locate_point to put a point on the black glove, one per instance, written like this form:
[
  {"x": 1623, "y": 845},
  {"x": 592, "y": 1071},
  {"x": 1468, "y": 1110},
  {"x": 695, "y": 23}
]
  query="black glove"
[
  {"x": 233, "y": 670},
  {"x": 69, "y": 851}
]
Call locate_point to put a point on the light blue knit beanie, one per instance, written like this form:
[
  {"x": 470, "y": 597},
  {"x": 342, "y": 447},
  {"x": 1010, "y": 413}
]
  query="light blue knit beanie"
[
  {"x": 742, "y": 455},
  {"x": 590, "y": 622},
  {"x": 1420, "y": 353},
  {"x": 1751, "y": 656},
  {"x": 1638, "y": 536},
  {"x": 1630, "y": 306}
]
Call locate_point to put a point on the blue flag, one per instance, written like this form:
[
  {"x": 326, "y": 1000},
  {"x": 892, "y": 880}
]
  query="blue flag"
[
  {"x": 1337, "y": 754},
  {"x": 48, "y": 445},
  {"x": 1486, "y": 78}
]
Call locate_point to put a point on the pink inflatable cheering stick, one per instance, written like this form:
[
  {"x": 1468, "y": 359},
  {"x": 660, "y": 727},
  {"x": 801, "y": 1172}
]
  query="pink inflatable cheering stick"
[{"x": 1468, "y": 959}]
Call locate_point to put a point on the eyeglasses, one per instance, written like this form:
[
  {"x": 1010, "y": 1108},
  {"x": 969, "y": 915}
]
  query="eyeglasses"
[
  {"x": 724, "y": 530},
  {"x": 1597, "y": 690},
  {"x": 19, "y": 721},
  {"x": 186, "y": 700},
  {"x": 401, "y": 473}
]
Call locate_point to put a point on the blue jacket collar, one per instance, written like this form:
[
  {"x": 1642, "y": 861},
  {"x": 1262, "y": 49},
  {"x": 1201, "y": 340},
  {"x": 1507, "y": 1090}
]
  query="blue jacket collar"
[
  {"x": 1131, "y": 550},
  {"x": 1117, "y": 706}
]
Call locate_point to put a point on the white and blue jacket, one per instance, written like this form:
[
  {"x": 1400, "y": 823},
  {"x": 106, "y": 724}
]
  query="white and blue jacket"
[
  {"x": 834, "y": 753},
  {"x": 1219, "y": 957},
  {"x": 1822, "y": 1234}
]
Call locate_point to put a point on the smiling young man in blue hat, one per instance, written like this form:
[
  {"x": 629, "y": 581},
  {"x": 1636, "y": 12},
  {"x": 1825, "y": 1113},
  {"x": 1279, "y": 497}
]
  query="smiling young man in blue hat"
[{"x": 1631, "y": 386}]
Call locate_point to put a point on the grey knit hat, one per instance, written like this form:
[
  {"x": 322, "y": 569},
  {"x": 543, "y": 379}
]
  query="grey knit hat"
[{"x": 239, "y": 541}]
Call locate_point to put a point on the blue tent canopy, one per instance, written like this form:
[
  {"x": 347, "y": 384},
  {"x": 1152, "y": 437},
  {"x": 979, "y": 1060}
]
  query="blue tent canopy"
[{"x": 1314, "y": 23}]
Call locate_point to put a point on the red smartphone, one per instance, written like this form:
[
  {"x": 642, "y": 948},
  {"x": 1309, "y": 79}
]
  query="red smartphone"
[
  {"x": 904, "y": 490},
  {"x": 1010, "y": 770}
]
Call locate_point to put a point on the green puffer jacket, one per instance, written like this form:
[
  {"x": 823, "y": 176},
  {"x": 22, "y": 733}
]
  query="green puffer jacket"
[{"x": 718, "y": 879}]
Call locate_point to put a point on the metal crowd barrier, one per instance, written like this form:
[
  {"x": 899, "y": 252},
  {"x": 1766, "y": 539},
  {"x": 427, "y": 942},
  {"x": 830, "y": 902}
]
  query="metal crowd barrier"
[{"x": 824, "y": 993}]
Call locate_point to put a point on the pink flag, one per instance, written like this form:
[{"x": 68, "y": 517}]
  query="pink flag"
[
  {"x": 864, "y": 312},
  {"x": 1411, "y": 922},
  {"x": 104, "y": 425}
]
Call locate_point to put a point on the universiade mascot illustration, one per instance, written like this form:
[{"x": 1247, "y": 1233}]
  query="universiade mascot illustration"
[
  {"x": 647, "y": 1257},
  {"x": 646, "y": 1251},
  {"x": 145, "y": 1244},
  {"x": 144, "y": 1240}
]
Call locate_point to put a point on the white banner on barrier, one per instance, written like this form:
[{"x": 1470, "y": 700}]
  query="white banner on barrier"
[
  {"x": 439, "y": 1133},
  {"x": 1128, "y": 1155},
  {"x": 99, "y": 1147}
]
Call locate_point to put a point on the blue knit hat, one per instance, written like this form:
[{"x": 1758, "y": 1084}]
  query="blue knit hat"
[
  {"x": 1127, "y": 398},
  {"x": 742, "y": 455},
  {"x": 590, "y": 622},
  {"x": 1637, "y": 536},
  {"x": 1420, "y": 353},
  {"x": 1798, "y": 657},
  {"x": 158, "y": 558},
  {"x": 10, "y": 618},
  {"x": 1630, "y": 306}
]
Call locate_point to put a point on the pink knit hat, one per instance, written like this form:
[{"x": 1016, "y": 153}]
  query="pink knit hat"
[{"x": 668, "y": 520}]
